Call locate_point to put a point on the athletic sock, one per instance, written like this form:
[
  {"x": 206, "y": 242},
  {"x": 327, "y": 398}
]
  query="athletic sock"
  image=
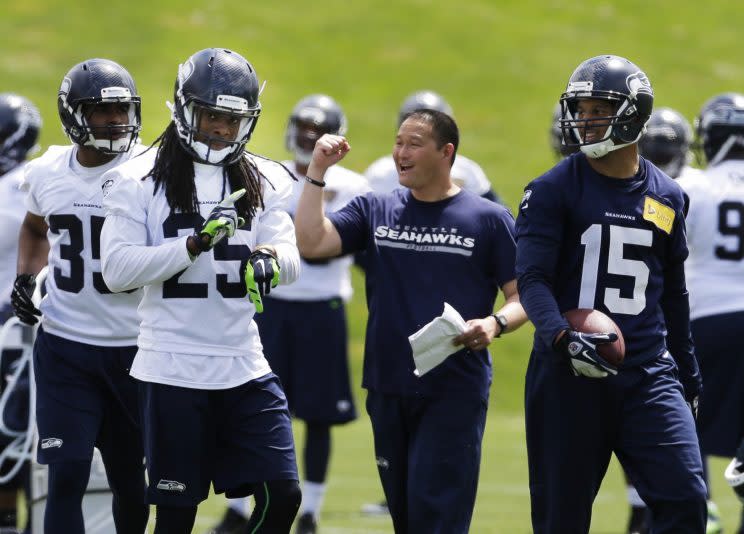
[
  {"x": 634, "y": 499},
  {"x": 240, "y": 505},
  {"x": 312, "y": 497}
]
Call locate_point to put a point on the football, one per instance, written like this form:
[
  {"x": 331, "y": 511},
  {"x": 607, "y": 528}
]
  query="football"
[{"x": 591, "y": 321}]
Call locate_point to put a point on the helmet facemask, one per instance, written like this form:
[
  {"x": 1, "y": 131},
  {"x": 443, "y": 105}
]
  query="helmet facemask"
[
  {"x": 187, "y": 115},
  {"x": 110, "y": 138},
  {"x": 301, "y": 138},
  {"x": 215, "y": 149},
  {"x": 620, "y": 127}
]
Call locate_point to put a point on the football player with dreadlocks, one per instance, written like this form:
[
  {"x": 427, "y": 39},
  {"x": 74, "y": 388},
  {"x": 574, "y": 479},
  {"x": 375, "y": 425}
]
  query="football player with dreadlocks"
[
  {"x": 312, "y": 363},
  {"x": 715, "y": 274},
  {"x": 605, "y": 229},
  {"x": 202, "y": 226},
  {"x": 20, "y": 124},
  {"x": 86, "y": 341}
]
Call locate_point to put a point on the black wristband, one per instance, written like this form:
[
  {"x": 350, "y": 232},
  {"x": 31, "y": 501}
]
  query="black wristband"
[
  {"x": 315, "y": 182},
  {"x": 502, "y": 322}
]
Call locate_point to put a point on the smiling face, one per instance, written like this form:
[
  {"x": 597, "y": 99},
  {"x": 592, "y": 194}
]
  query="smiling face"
[
  {"x": 596, "y": 112},
  {"x": 418, "y": 159}
]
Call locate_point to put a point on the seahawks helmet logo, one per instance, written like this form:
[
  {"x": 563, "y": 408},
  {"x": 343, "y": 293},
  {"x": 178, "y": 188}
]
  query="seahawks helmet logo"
[{"x": 638, "y": 83}]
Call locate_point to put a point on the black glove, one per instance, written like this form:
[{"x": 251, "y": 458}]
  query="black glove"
[
  {"x": 581, "y": 351},
  {"x": 20, "y": 299},
  {"x": 261, "y": 274}
]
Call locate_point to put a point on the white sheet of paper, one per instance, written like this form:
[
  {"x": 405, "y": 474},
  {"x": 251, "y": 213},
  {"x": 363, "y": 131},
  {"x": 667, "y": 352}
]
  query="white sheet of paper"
[{"x": 432, "y": 344}]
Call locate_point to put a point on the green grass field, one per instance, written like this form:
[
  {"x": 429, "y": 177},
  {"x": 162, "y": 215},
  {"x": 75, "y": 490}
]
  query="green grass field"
[{"x": 501, "y": 64}]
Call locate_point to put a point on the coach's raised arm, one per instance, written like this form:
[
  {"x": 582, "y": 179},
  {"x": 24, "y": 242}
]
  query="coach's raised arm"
[{"x": 316, "y": 235}]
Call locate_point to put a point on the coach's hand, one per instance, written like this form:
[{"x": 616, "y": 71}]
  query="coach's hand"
[
  {"x": 478, "y": 334},
  {"x": 222, "y": 221},
  {"x": 20, "y": 299},
  {"x": 581, "y": 351},
  {"x": 261, "y": 274},
  {"x": 328, "y": 150}
]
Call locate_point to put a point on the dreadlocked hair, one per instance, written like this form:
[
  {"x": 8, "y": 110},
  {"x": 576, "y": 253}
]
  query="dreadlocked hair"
[{"x": 174, "y": 172}]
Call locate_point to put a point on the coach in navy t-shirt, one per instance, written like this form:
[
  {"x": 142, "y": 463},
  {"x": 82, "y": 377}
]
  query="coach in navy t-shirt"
[{"x": 426, "y": 244}]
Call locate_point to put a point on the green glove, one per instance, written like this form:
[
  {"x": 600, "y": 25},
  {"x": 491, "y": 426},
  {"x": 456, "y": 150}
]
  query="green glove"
[
  {"x": 222, "y": 221},
  {"x": 261, "y": 274}
]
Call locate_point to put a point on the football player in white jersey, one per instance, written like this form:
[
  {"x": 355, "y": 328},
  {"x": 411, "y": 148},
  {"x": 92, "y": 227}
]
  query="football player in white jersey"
[
  {"x": 20, "y": 123},
  {"x": 87, "y": 338},
  {"x": 202, "y": 227},
  {"x": 382, "y": 175},
  {"x": 715, "y": 273},
  {"x": 313, "y": 363}
]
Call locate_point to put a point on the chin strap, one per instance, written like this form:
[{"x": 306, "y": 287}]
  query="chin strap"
[{"x": 725, "y": 147}]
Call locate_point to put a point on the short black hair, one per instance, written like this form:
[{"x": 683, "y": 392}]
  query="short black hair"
[{"x": 443, "y": 127}]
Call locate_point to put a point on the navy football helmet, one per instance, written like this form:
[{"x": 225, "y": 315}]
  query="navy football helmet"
[
  {"x": 95, "y": 82},
  {"x": 215, "y": 81},
  {"x": 618, "y": 81},
  {"x": 312, "y": 117},
  {"x": 720, "y": 126},
  {"x": 20, "y": 123},
  {"x": 423, "y": 100},
  {"x": 667, "y": 141}
]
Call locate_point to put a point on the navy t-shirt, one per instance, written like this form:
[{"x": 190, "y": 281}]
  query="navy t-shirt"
[
  {"x": 614, "y": 245},
  {"x": 420, "y": 255}
]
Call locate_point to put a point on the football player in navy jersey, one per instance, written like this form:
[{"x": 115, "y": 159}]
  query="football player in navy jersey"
[
  {"x": 715, "y": 275},
  {"x": 638, "y": 517},
  {"x": 85, "y": 344},
  {"x": 201, "y": 225},
  {"x": 605, "y": 229},
  {"x": 427, "y": 244}
]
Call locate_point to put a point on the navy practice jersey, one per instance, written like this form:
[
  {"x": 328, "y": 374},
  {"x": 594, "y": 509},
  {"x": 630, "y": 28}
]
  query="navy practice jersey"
[
  {"x": 422, "y": 254},
  {"x": 614, "y": 245}
]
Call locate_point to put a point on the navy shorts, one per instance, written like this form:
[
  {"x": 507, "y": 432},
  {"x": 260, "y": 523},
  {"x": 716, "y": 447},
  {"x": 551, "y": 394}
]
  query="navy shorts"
[
  {"x": 718, "y": 349},
  {"x": 85, "y": 397},
  {"x": 428, "y": 457},
  {"x": 232, "y": 438},
  {"x": 574, "y": 424},
  {"x": 306, "y": 346}
]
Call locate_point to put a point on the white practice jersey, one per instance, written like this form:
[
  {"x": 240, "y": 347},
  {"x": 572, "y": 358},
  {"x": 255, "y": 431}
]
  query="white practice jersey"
[
  {"x": 382, "y": 175},
  {"x": 329, "y": 278},
  {"x": 12, "y": 212},
  {"x": 197, "y": 326},
  {"x": 715, "y": 236},
  {"x": 78, "y": 304}
]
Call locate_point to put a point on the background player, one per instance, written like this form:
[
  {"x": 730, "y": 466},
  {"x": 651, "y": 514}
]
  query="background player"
[
  {"x": 382, "y": 175},
  {"x": 667, "y": 143},
  {"x": 86, "y": 342},
  {"x": 605, "y": 230},
  {"x": 204, "y": 230},
  {"x": 427, "y": 430},
  {"x": 715, "y": 275},
  {"x": 20, "y": 125},
  {"x": 312, "y": 363}
]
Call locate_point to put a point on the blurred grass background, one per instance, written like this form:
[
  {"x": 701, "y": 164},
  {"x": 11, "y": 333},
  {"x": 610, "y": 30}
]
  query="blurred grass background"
[{"x": 501, "y": 64}]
